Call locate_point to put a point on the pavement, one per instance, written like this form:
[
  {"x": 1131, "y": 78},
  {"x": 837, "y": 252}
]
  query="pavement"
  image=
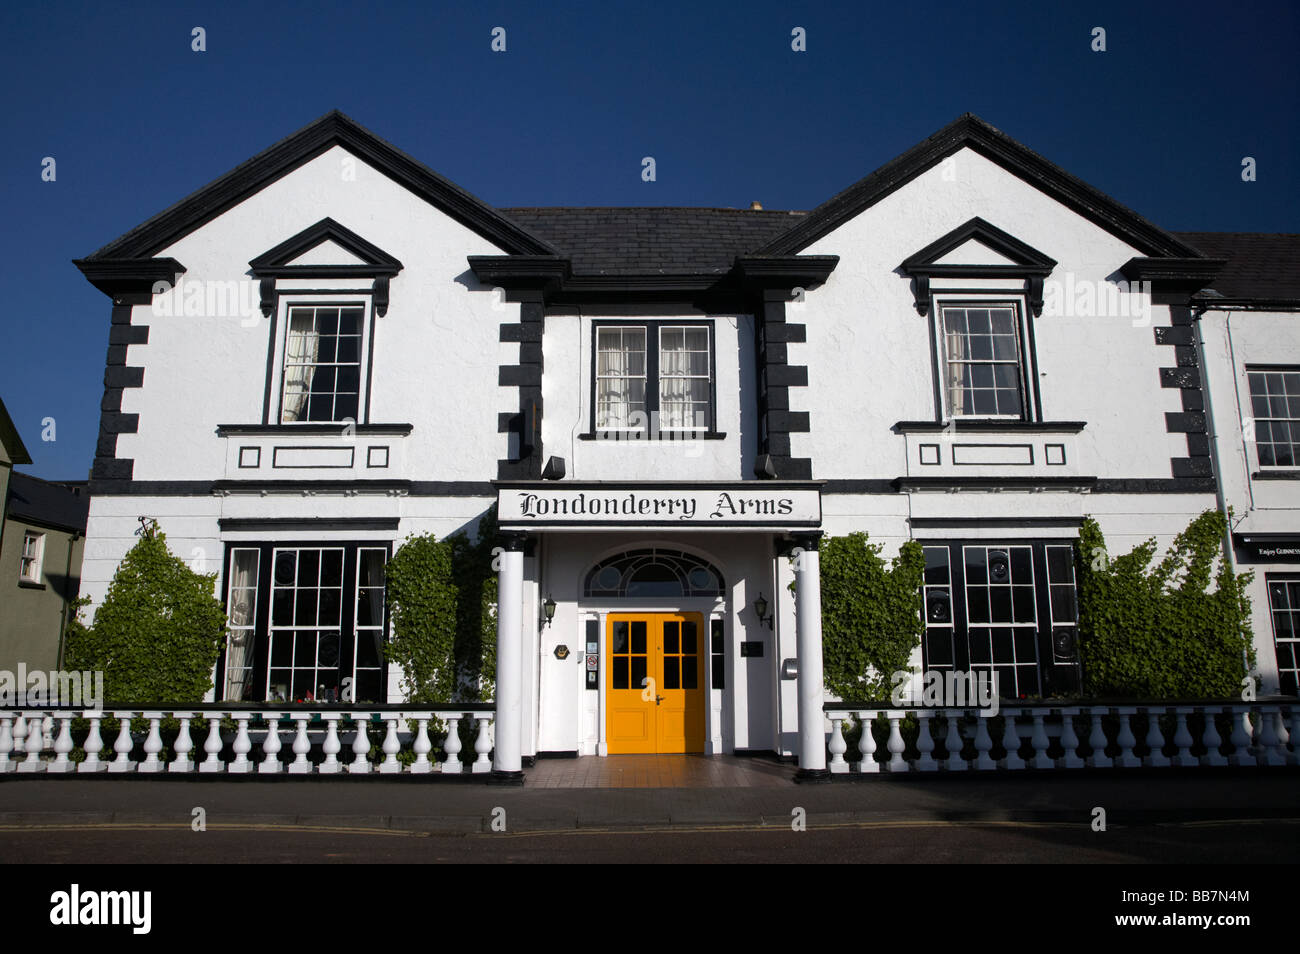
[{"x": 609, "y": 794}]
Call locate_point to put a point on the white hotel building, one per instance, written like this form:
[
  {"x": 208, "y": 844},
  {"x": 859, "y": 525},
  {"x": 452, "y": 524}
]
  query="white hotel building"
[{"x": 665, "y": 404}]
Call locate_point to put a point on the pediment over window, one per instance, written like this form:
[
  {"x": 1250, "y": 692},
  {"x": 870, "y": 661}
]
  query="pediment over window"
[
  {"x": 325, "y": 250},
  {"x": 978, "y": 249}
]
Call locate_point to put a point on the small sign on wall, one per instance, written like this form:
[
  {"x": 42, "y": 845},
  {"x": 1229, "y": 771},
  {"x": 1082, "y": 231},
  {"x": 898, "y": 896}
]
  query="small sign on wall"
[{"x": 751, "y": 647}]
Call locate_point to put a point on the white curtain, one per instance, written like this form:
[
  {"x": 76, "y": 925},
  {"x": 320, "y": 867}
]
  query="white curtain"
[
  {"x": 301, "y": 351},
  {"x": 683, "y": 378},
  {"x": 242, "y": 617},
  {"x": 954, "y": 348}
]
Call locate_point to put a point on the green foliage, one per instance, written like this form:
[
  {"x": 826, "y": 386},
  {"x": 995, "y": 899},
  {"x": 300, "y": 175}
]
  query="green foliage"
[
  {"x": 871, "y": 614},
  {"x": 1160, "y": 633},
  {"x": 159, "y": 631},
  {"x": 442, "y": 602}
]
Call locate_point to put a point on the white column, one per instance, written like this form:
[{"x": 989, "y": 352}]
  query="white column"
[
  {"x": 808, "y": 632},
  {"x": 510, "y": 658}
]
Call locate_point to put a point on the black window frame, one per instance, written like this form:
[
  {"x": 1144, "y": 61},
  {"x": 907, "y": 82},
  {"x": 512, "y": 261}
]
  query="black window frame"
[
  {"x": 262, "y": 621},
  {"x": 652, "y": 431},
  {"x": 278, "y": 348},
  {"x": 1055, "y": 675},
  {"x": 1288, "y": 677}
]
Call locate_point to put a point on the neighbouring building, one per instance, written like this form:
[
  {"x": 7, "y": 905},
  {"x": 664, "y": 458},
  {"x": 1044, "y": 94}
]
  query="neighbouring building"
[
  {"x": 332, "y": 347},
  {"x": 42, "y": 535}
]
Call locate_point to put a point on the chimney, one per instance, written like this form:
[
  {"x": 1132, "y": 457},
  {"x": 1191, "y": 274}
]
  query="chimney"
[{"x": 756, "y": 206}]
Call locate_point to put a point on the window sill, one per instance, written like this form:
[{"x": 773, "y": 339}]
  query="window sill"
[
  {"x": 230, "y": 430},
  {"x": 1276, "y": 475},
  {"x": 626, "y": 437},
  {"x": 975, "y": 424},
  {"x": 29, "y": 585}
]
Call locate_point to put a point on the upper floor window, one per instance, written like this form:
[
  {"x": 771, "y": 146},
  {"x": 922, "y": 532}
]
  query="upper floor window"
[
  {"x": 653, "y": 378},
  {"x": 983, "y": 360},
  {"x": 1275, "y": 404},
  {"x": 29, "y": 563},
  {"x": 322, "y": 363}
]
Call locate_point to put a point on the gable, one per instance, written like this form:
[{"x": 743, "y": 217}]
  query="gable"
[
  {"x": 969, "y": 132},
  {"x": 973, "y": 252},
  {"x": 326, "y": 253},
  {"x": 332, "y": 130}
]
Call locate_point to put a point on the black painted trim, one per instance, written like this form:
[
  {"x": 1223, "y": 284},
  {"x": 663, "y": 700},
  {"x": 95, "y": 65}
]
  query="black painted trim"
[
  {"x": 1186, "y": 376},
  {"x": 237, "y": 524},
  {"x": 986, "y": 424},
  {"x": 288, "y": 154},
  {"x": 129, "y": 275},
  {"x": 970, "y": 131},
  {"x": 274, "y": 261},
  {"x": 662, "y": 436},
  {"x": 286, "y": 430},
  {"x": 1009, "y": 522},
  {"x": 1031, "y": 264},
  {"x": 995, "y": 483},
  {"x": 1275, "y": 475},
  {"x": 1155, "y": 485}
]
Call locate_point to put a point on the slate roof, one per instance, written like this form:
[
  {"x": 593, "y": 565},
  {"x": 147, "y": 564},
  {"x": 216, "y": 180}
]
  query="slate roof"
[
  {"x": 653, "y": 241},
  {"x": 1260, "y": 264},
  {"x": 61, "y": 506}
]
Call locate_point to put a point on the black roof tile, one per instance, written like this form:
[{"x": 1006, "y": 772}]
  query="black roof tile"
[
  {"x": 59, "y": 505},
  {"x": 1260, "y": 264}
]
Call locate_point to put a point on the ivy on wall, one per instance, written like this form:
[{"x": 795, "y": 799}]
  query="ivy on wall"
[
  {"x": 1161, "y": 633},
  {"x": 158, "y": 633},
  {"x": 871, "y": 614},
  {"x": 442, "y": 603}
]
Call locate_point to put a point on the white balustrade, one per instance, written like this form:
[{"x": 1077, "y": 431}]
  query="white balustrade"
[
  {"x": 6, "y": 742},
  {"x": 1040, "y": 741},
  {"x": 62, "y": 745},
  {"x": 35, "y": 742},
  {"x": 953, "y": 742},
  {"x": 332, "y": 746},
  {"x": 391, "y": 748},
  {"x": 422, "y": 748},
  {"x": 94, "y": 745},
  {"x": 925, "y": 744},
  {"x": 152, "y": 745},
  {"x": 1271, "y": 750},
  {"x": 1011, "y": 742},
  {"x": 301, "y": 746},
  {"x": 1155, "y": 740},
  {"x": 1210, "y": 739},
  {"x": 243, "y": 745},
  {"x": 212, "y": 746},
  {"x": 1240, "y": 739},
  {"x": 983, "y": 742},
  {"x": 122, "y": 746},
  {"x": 184, "y": 745},
  {"x": 1070, "y": 741},
  {"x": 1183, "y": 739},
  {"x": 1127, "y": 743},
  {"x": 271, "y": 745}
]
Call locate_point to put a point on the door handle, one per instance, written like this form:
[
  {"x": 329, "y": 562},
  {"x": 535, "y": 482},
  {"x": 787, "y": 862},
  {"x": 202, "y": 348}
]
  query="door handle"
[{"x": 658, "y": 699}]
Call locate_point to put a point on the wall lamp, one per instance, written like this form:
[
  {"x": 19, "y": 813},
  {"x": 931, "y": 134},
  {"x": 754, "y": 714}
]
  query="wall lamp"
[
  {"x": 548, "y": 610},
  {"x": 760, "y": 610}
]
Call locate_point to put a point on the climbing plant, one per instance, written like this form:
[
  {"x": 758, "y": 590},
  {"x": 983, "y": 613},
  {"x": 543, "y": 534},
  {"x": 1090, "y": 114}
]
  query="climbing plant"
[
  {"x": 871, "y": 614},
  {"x": 158, "y": 633},
  {"x": 442, "y": 603},
  {"x": 1162, "y": 632}
]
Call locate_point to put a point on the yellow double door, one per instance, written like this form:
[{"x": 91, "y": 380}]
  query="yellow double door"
[{"x": 654, "y": 682}]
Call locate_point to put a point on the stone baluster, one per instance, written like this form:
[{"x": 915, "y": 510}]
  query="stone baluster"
[
  {"x": 422, "y": 747},
  {"x": 867, "y": 744},
  {"x": 35, "y": 743},
  {"x": 94, "y": 745},
  {"x": 19, "y": 740},
  {"x": 301, "y": 746},
  {"x": 243, "y": 745},
  {"x": 896, "y": 761},
  {"x": 1271, "y": 751},
  {"x": 953, "y": 741},
  {"x": 1211, "y": 740},
  {"x": 925, "y": 744},
  {"x": 1155, "y": 739},
  {"x": 184, "y": 745},
  {"x": 1097, "y": 741},
  {"x": 1011, "y": 741},
  {"x": 1070, "y": 741},
  {"x": 1183, "y": 739},
  {"x": 1040, "y": 741},
  {"x": 452, "y": 764},
  {"x": 62, "y": 745},
  {"x": 331, "y": 746},
  {"x": 212, "y": 745},
  {"x": 360, "y": 764},
  {"x": 6, "y": 742},
  {"x": 1240, "y": 738},
  {"x": 983, "y": 742},
  {"x": 391, "y": 747},
  {"x": 1293, "y": 758},
  {"x": 482, "y": 746},
  {"x": 271, "y": 745},
  {"x": 123, "y": 745},
  {"x": 1127, "y": 757},
  {"x": 152, "y": 745},
  {"x": 837, "y": 745}
]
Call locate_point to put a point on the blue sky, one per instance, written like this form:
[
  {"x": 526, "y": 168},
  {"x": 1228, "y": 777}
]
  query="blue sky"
[{"x": 135, "y": 120}]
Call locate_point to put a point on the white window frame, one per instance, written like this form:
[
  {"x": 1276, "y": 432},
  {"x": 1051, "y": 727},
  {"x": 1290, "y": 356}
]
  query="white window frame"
[
  {"x": 1025, "y": 360},
  {"x": 653, "y": 426},
  {"x": 1255, "y": 419},
  {"x": 31, "y": 560},
  {"x": 287, "y": 304}
]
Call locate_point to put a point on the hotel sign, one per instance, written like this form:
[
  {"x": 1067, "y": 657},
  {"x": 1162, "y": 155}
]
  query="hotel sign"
[
  {"x": 1268, "y": 549},
  {"x": 738, "y": 504}
]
